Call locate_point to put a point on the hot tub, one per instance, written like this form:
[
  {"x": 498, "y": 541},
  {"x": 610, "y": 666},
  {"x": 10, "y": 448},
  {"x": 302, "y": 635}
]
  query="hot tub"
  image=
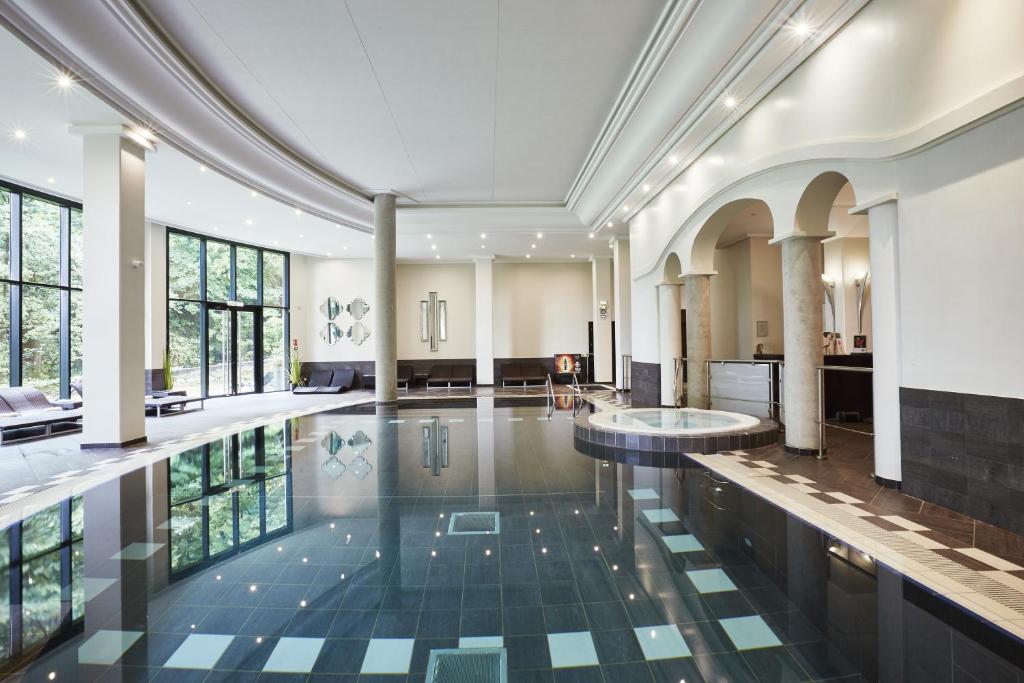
[{"x": 673, "y": 421}]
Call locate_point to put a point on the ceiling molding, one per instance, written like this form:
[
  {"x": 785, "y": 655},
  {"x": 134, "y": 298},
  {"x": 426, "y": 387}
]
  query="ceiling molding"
[
  {"x": 663, "y": 39},
  {"x": 763, "y": 45},
  {"x": 49, "y": 30}
]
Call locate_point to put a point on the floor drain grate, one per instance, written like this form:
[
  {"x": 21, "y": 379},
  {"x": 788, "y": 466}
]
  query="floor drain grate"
[
  {"x": 483, "y": 665},
  {"x": 474, "y": 523}
]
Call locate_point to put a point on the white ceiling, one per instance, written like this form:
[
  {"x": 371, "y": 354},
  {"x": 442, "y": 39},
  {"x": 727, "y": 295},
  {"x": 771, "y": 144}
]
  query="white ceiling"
[{"x": 444, "y": 101}]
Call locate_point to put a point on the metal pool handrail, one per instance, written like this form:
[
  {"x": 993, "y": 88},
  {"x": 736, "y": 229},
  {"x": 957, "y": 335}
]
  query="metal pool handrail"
[{"x": 821, "y": 404}]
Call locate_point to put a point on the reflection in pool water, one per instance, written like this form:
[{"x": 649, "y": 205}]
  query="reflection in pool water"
[{"x": 635, "y": 573}]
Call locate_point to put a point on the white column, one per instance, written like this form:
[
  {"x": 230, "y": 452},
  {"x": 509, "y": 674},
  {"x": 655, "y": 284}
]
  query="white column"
[
  {"x": 386, "y": 334},
  {"x": 802, "y": 301},
  {"x": 485, "y": 320},
  {"x": 697, "y": 291},
  {"x": 670, "y": 337},
  {"x": 884, "y": 288},
  {"x": 601, "y": 304},
  {"x": 621, "y": 285},
  {"x": 114, "y": 286},
  {"x": 156, "y": 295}
]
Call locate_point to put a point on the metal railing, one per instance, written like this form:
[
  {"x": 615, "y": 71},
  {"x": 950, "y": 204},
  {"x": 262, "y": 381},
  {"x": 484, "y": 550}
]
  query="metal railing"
[
  {"x": 774, "y": 401},
  {"x": 627, "y": 372},
  {"x": 821, "y": 405},
  {"x": 576, "y": 389}
]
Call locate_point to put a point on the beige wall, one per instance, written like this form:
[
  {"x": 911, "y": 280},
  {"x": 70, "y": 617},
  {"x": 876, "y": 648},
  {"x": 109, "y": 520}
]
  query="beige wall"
[
  {"x": 541, "y": 309},
  {"x": 455, "y": 283},
  {"x": 747, "y": 288}
]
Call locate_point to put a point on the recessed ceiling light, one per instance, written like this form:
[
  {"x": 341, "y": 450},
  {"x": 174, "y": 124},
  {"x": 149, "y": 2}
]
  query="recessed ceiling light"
[
  {"x": 730, "y": 102},
  {"x": 50, "y": 180},
  {"x": 276, "y": 243},
  {"x": 533, "y": 246},
  {"x": 591, "y": 235},
  {"x": 248, "y": 221},
  {"x": 625, "y": 207},
  {"x": 609, "y": 224},
  {"x": 433, "y": 247},
  {"x": 646, "y": 188},
  {"x": 540, "y": 235},
  {"x": 253, "y": 193},
  {"x": 673, "y": 160},
  {"x": 483, "y": 235},
  {"x": 328, "y": 253},
  {"x": 527, "y": 256},
  {"x": 189, "y": 203},
  {"x": 572, "y": 255},
  {"x": 300, "y": 237},
  {"x": 429, "y": 236},
  {"x": 64, "y": 81},
  {"x": 437, "y": 256},
  {"x": 216, "y": 229},
  {"x": 20, "y": 134},
  {"x": 482, "y": 246},
  {"x": 202, "y": 169},
  {"x": 344, "y": 248},
  {"x": 801, "y": 29},
  {"x": 298, "y": 212}
]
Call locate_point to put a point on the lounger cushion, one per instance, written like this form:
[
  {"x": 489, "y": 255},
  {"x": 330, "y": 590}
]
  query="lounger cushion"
[
  {"x": 341, "y": 380},
  {"x": 462, "y": 373},
  {"x": 26, "y": 399},
  {"x": 440, "y": 373},
  {"x": 319, "y": 378}
]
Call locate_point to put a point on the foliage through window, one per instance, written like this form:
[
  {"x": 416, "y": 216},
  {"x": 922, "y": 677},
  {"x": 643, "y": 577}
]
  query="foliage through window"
[{"x": 40, "y": 291}]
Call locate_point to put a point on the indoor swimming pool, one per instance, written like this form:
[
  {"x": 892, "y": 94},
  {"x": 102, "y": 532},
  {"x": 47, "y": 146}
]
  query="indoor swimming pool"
[{"x": 345, "y": 546}]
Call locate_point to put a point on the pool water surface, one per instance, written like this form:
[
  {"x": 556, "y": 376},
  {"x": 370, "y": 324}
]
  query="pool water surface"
[{"x": 321, "y": 549}]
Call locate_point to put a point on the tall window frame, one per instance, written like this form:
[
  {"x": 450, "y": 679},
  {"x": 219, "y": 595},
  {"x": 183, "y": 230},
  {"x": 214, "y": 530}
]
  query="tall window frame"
[
  {"x": 238, "y": 297},
  {"x": 23, "y": 287}
]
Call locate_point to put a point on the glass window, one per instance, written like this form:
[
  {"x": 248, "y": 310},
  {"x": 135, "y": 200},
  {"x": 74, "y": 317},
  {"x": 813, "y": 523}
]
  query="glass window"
[
  {"x": 275, "y": 350},
  {"x": 40, "y": 339},
  {"x": 40, "y": 241},
  {"x": 76, "y": 248},
  {"x": 77, "y": 579},
  {"x": 245, "y": 275},
  {"x": 273, "y": 450},
  {"x": 183, "y": 333},
  {"x": 218, "y": 271},
  {"x": 5, "y": 232},
  {"x": 220, "y": 461},
  {"x": 273, "y": 279},
  {"x": 5, "y": 595},
  {"x": 41, "y": 532},
  {"x": 183, "y": 267},
  {"x": 40, "y": 598},
  {"x": 5, "y": 334},
  {"x": 187, "y": 475},
  {"x": 76, "y": 335},
  {"x": 186, "y": 534},
  {"x": 247, "y": 453},
  {"x": 77, "y": 517}
]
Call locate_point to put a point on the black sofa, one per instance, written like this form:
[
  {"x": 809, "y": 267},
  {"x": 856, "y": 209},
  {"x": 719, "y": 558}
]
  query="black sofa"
[
  {"x": 449, "y": 375},
  {"x": 523, "y": 374}
]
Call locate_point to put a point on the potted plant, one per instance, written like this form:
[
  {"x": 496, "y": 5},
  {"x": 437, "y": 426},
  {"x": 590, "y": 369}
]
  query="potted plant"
[
  {"x": 168, "y": 376},
  {"x": 295, "y": 368}
]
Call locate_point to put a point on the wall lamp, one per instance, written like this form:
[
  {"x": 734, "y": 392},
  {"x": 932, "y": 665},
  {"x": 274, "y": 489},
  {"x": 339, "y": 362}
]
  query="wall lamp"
[
  {"x": 830, "y": 284},
  {"x": 861, "y": 282}
]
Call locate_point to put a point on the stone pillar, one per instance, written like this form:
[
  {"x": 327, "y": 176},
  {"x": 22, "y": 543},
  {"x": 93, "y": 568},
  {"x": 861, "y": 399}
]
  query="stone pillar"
[
  {"x": 802, "y": 301},
  {"x": 884, "y": 288},
  {"x": 485, "y": 320},
  {"x": 621, "y": 286},
  {"x": 113, "y": 274},
  {"x": 385, "y": 318},
  {"x": 697, "y": 291},
  {"x": 601, "y": 300},
  {"x": 670, "y": 337}
]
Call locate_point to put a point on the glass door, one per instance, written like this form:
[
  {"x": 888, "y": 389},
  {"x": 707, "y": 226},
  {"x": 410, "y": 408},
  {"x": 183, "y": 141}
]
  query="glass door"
[{"x": 233, "y": 350}]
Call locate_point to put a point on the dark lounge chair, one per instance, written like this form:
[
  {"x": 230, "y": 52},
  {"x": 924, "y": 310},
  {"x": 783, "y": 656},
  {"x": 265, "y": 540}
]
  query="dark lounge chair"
[
  {"x": 405, "y": 378},
  {"x": 176, "y": 403},
  {"x": 462, "y": 374},
  {"x": 440, "y": 376},
  {"x": 341, "y": 381},
  {"x": 534, "y": 373},
  {"x": 317, "y": 379},
  {"x": 512, "y": 373},
  {"x": 26, "y": 413}
]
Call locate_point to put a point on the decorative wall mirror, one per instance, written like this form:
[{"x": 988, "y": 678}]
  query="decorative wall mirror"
[
  {"x": 333, "y": 467},
  {"x": 330, "y": 308},
  {"x": 433, "y": 321},
  {"x": 442, "y": 320},
  {"x": 358, "y": 308},
  {"x": 424, "y": 321},
  {"x": 358, "y": 333},
  {"x": 360, "y": 467},
  {"x": 331, "y": 333},
  {"x": 332, "y": 443},
  {"x": 360, "y": 442}
]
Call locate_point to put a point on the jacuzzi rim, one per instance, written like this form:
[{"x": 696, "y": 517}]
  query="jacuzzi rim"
[{"x": 603, "y": 419}]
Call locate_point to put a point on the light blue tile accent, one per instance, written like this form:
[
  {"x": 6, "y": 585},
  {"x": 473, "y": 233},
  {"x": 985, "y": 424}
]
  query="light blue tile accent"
[
  {"x": 199, "y": 651},
  {"x": 661, "y": 642},
  {"x": 683, "y": 543},
  {"x": 749, "y": 633},
  {"x": 137, "y": 551},
  {"x": 106, "y": 647},
  {"x": 388, "y": 656},
  {"x": 643, "y": 494},
  {"x": 572, "y": 649},
  {"x": 660, "y": 515},
  {"x": 711, "y": 580},
  {"x": 481, "y": 641},
  {"x": 294, "y": 655}
]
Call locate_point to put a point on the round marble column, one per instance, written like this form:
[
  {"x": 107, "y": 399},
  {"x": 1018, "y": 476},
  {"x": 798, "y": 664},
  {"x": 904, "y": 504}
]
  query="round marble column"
[
  {"x": 802, "y": 301},
  {"x": 670, "y": 337},
  {"x": 697, "y": 293},
  {"x": 385, "y": 319}
]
